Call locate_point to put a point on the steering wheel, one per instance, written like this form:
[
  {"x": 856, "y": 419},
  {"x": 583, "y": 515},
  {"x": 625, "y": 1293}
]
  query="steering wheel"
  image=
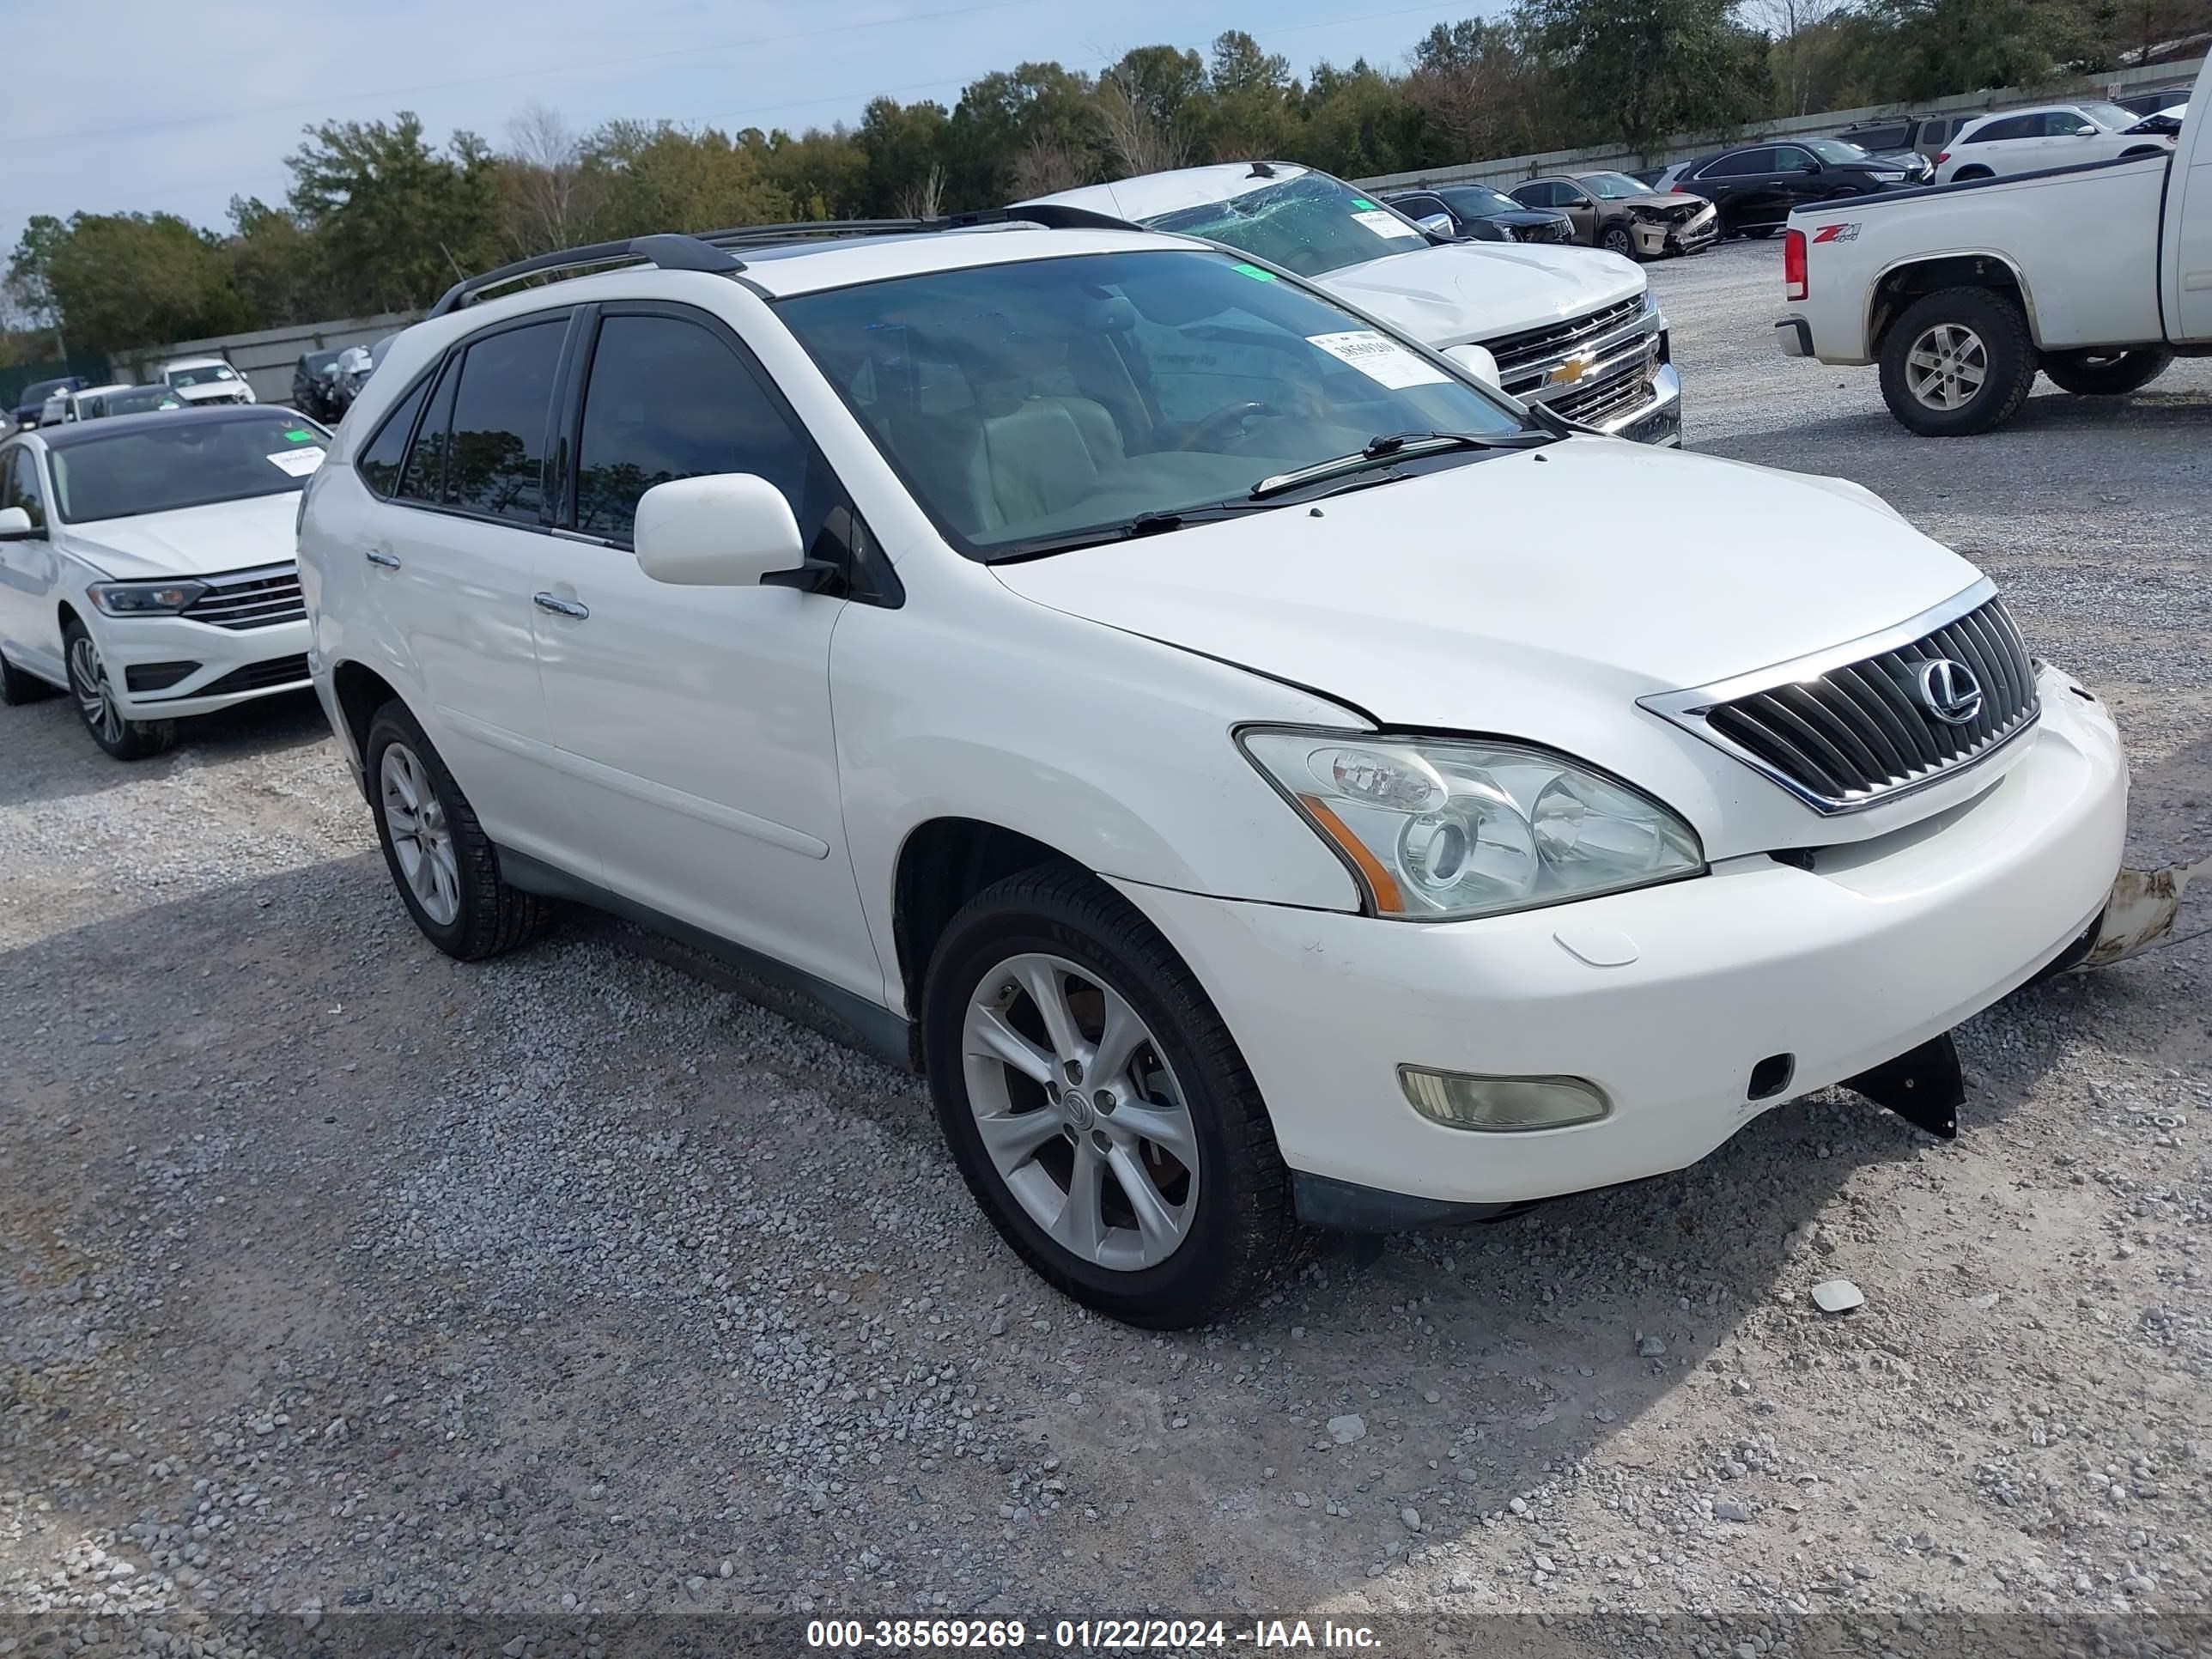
[{"x": 1224, "y": 424}]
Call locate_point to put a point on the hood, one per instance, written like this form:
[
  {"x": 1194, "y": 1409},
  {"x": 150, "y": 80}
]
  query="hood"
[
  {"x": 1478, "y": 291},
  {"x": 1533, "y": 594},
  {"x": 213, "y": 391},
  {"x": 1663, "y": 201},
  {"x": 192, "y": 541}
]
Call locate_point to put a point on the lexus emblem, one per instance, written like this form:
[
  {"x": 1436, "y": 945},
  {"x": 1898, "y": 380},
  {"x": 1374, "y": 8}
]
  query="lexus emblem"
[{"x": 1948, "y": 690}]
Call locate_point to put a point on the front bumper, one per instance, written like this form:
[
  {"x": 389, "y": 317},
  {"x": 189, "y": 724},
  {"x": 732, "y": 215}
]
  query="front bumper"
[
  {"x": 1692, "y": 235},
  {"x": 234, "y": 666},
  {"x": 1878, "y": 947}
]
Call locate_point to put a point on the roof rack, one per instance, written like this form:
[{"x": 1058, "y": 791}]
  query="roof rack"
[{"x": 710, "y": 251}]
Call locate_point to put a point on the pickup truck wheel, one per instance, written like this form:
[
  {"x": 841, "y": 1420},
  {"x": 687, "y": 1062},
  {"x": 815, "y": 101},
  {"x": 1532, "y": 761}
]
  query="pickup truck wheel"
[
  {"x": 445, "y": 867},
  {"x": 1098, "y": 1107},
  {"x": 2106, "y": 373},
  {"x": 1958, "y": 361}
]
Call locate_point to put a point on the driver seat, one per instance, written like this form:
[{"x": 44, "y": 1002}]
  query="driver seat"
[{"x": 1031, "y": 457}]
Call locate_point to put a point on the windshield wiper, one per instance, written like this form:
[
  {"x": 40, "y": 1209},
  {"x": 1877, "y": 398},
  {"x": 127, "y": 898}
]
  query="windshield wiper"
[
  {"x": 1145, "y": 524},
  {"x": 1391, "y": 447}
]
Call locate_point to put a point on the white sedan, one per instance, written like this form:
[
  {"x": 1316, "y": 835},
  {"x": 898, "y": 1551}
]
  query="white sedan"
[
  {"x": 2033, "y": 140},
  {"x": 146, "y": 567}
]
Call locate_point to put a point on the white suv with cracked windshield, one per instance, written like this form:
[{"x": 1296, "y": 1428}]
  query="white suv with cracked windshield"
[{"x": 1177, "y": 714}]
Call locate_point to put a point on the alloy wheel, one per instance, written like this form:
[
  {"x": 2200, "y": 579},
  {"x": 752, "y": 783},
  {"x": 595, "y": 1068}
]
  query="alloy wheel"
[
  {"x": 1080, "y": 1112},
  {"x": 422, "y": 840},
  {"x": 96, "y": 697},
  {"x": 1945, "y": 366}
]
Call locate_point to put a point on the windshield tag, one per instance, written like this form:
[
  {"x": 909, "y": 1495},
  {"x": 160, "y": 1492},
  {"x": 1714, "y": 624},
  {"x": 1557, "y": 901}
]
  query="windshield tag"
[
  {"x": 1380, "y": 358},
  {"x": 1253, "y": 272},
  {"x": 296, "y": 463},
  {"x": 1385, "y": 223}
]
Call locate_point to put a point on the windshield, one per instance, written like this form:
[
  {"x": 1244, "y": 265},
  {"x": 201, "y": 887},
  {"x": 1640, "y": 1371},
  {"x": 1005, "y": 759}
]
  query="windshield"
[
  {"x": 1310, "y": 224},
  {"x": 2111, "y": 116},
  {"x": 1612, "y": 186},
  {"x": 200, "y": 374},
  {"x": 138, "y": 398},
  {"x": 1479, "y": 201},
  {"x": 39, "y": 391},
  {"x": 1836, "y": 150},
  {"x": 184, "y": 463},
  {"x": 1028, "y": 401}
]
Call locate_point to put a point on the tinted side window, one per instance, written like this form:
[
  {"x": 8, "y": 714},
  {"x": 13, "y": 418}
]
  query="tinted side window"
[
  {"x": 2019, "y": 126},
  {"x": 1735, "y": 165},
  {"x": 667, "y": 400},
  {"x": 1879, "y": 139},
  {"x": 1789, "y": 158},
  {"x": 424, "y": 478},
  {"x": 1534, "y": 196},
  {"x": 1417, "y": 206},
  {"x": 378, "y": 463},
  {"x": 497, "y": 461}
]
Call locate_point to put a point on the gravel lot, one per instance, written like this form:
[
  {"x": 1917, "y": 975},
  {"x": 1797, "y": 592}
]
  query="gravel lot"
[{"x": 339, "y": 1276}]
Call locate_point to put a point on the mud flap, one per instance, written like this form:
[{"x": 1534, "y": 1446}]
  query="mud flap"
[{"x": 1923, "y": 1085}]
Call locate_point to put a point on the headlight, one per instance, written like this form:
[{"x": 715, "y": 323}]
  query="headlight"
[
  {"x": 1440, "y": 828},
  {"x": 144, "y": 599}
]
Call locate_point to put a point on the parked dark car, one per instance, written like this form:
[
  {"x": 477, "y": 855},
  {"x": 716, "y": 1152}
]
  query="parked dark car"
[
  {"x": 1755, "y": 188},
  {"x": 310, "y": 384},
  {"x": 1615, "y": 212},
  {"x": 1898, "y": 135},
  {"x": 2150, "y": 103},
  {"x": 1483, "y": 214},
  {"x": 31, "y": 401}
]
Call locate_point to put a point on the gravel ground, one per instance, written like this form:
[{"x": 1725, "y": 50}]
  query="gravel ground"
[{"x": 341, "y": 1279}]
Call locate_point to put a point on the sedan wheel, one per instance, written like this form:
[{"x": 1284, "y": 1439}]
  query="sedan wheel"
[
  {"x": 1080, "y": 1113},
  {"x": 94, "y": 696}
]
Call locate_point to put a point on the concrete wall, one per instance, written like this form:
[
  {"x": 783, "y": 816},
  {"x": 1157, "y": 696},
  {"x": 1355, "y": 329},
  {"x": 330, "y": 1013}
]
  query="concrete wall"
[
  {"x": 1509, "y": 170},
  {"x": 265, "y": 357}
]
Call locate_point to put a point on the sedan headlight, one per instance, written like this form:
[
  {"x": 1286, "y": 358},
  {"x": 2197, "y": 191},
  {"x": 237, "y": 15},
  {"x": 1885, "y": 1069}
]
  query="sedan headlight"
[
  {"x": 145, "y": 599},
  {"x": 1442, "y": 829}
]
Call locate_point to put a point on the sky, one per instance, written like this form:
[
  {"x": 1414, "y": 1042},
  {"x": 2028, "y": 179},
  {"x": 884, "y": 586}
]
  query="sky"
[{"x": 157, "y": 105}]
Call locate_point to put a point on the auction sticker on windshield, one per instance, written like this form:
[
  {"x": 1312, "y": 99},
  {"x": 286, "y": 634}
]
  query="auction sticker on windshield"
[
  {"x": 1380, "y": 358},
  {"x": 298, "y": 463},
  {"x": 1385, "y": 223}
]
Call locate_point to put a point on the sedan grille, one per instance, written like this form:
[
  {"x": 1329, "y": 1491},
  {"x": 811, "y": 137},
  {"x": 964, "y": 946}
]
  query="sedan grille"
[
  {"x": 259, "y": 677},
  {"x": 251, "y": 599},
  {"x": 1846, "y": 736}
]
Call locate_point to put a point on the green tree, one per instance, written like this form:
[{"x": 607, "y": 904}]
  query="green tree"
[
  {"x": 1358, "y": 122},
  {"x": 277, "y": 266},
  {"x": 658, "y": 176},
  {"x": 1253, "y": 113},
  {"x": 1638, "y": 72},
  {"x": 1017, "y": 120},
  {"x": 903, "y": 149},
  {"x": 118, "y": 280},
  {"x": 399, "y": 222}
]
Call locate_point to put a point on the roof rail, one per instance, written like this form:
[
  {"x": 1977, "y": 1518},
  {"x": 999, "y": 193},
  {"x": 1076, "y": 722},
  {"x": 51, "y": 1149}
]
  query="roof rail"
[{"x": 710, "y": 251}]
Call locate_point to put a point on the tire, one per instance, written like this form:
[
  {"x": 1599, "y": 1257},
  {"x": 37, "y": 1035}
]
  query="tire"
[
  {"x": 1977, "y": 332},
  {"x": 18, "y": 688},
  {"x": 2106, "y": 374},
  {"x": 1615, "y": 238},
  {"x": 1224, "y": 1225},
  {"x": 93, "y": 699},
  {"x": 458, "y": 899}
]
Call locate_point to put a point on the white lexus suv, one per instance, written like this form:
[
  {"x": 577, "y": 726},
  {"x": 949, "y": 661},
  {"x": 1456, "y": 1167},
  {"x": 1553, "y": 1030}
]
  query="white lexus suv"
[{"x": 1174, "y": 712}]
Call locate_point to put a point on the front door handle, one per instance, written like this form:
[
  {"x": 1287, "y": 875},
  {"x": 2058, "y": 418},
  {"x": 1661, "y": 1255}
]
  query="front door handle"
[
  {"x": 381, "y": 560},
  {"x": 559, "y": 606}
]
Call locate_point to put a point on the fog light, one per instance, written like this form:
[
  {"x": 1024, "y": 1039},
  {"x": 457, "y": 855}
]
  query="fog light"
[{"x": 1502, "y": 1103}]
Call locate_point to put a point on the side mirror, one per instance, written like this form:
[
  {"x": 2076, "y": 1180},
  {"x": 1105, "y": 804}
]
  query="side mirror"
[
  {"x": 1439, "y": 224},
  {"x": 726, "y": 530},
  {"x": 16, "y": 525},
  {"x": 1476, "y": 361}
]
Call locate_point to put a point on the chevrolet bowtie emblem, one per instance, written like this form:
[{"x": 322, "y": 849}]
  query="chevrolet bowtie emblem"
[{"x": 1572, "y": 370}]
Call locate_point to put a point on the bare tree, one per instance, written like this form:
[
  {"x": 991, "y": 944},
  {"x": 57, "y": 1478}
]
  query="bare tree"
[
  {"x": 1045, "y": 166},
  {"x": 1789, "y": 24},
  {"x": 925, "y": 199},
  {"x": 543, "y": 183},
  {"x": 1136, "y": 137}
]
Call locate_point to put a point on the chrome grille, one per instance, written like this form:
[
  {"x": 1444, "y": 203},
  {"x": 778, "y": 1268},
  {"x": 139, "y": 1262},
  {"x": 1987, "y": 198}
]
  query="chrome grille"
[
  {"x": 1536, "y": 348},
  {"x": 1596, "y": 402},
  {"x": 251, "y": 599},
  {"x": 1845, "y": 734}
]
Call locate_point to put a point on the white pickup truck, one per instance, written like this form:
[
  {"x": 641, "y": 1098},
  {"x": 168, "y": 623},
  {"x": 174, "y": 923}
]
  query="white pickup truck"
[{"x": 2098, "y": 275}]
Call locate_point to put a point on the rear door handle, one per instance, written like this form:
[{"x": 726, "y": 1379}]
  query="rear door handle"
[
  {"x": 559, "y": 606},
  {"x": 382, "y": 561}
]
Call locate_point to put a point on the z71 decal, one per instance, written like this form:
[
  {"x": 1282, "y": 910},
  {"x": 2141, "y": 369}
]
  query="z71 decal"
[{"x": 1849, "y": 233}]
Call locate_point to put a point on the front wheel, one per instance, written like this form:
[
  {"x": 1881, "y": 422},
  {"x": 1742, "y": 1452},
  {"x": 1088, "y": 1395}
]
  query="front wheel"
[
  {"x": 1958, "y": 361},
  {"x": 2106, "y": 374},
  {"x": 1097, "y": 1106},
  {"x": 94, "y": 694},
  {"x": 1616, "y": 240}
]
